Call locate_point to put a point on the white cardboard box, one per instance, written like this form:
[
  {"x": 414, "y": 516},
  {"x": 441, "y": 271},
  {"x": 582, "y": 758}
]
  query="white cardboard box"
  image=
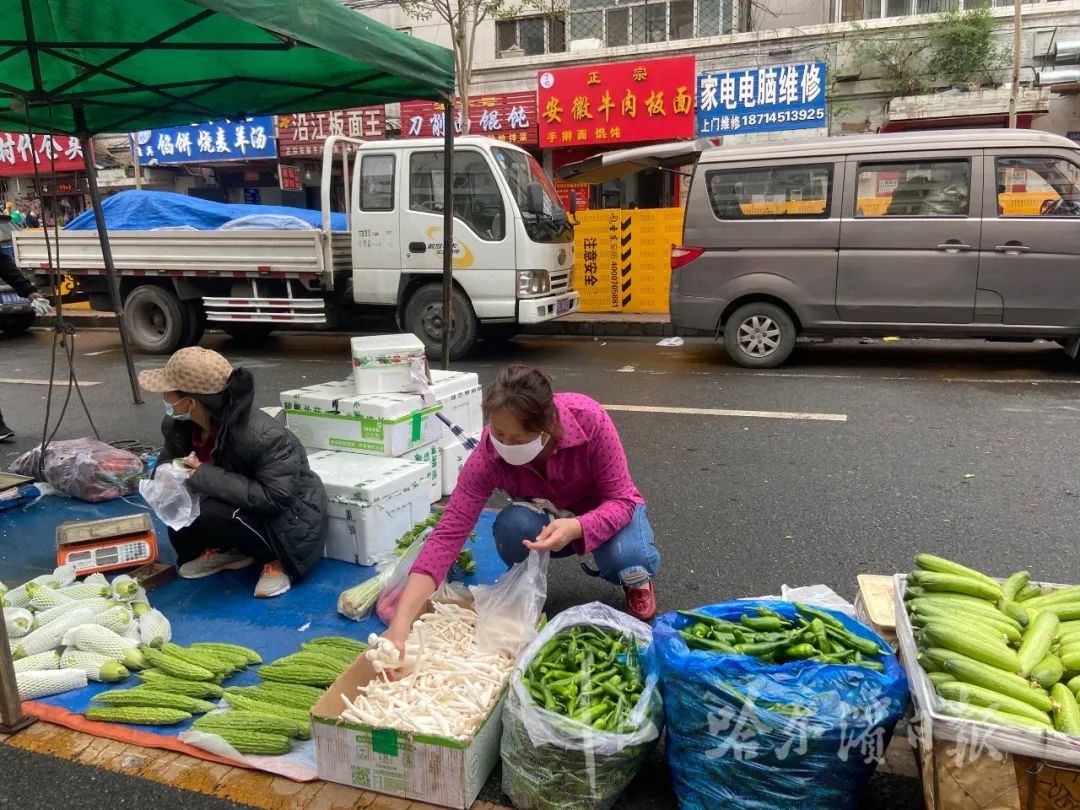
[
  {"x": 362, "y": 532},
  {"x": 387, "y": 363},
  {"x": 363, "y": 477},
  {"x": 430, "y": 457},
  {"x": 379, "y": 424},
  {"x": 321, "y": 398},
  {"x": 437, "y": 770}
]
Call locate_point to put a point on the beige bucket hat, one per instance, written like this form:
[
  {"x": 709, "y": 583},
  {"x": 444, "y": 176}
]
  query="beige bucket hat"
[{"x": 193, "y": 370}]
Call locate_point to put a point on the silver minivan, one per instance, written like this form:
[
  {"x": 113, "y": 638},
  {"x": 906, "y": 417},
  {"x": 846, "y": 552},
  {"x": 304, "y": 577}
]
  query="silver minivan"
[{"x": 972, "y": 234}]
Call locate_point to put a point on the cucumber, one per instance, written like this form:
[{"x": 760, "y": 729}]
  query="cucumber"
[
  {"x": 1037, "y": 641},
  {"x": 1048, "y": 671},
  {"x": 965, "y": 605},
  {"x": 938, "y": 678},
  {"x": 1066, "y": 712},
  {"x": 1014, "y": 611},
  {"x": 1070, "y": 594},
  {"x": 992, "y": 716},
  {"x": 973, "y": 646},
  {"x": 1074, "y": 684},
  {"x": 1071, "y": 660},
  {"x": 950, "y": 583},
  {"x": 982, "y": 631},
  {"x": 1065, "y": 611},
  {"x": 1029, "y": 591},
  {"x": 975, "y": 672},
  {"x": 1000, "y": 630},
  {"x": 1014, "y": 584},
  {"x": 989, "y": 699},
  {"x": 933, "y": 563}
]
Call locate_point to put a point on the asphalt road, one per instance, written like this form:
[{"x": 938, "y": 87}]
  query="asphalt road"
[{"x": 882, "y": 450}]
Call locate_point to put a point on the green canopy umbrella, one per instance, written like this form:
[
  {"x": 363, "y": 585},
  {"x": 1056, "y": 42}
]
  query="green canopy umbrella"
[{"x": 83, "y": 68}]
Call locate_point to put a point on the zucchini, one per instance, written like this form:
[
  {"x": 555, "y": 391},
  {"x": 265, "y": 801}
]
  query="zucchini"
[
  {"x": 965, "y": 605},
  {"x": 1071, "y": 660},
  {"x": 1074, "y": 684},
  {"x": 992, "y": 716},
  {"x": 1065, "y": 611},
  {"x": 932, "y": 563},
  {"x": 1048, "y": 671},
  {"x": 950, "y": 583},
  {"x": 1014, "y": 611},
  {"x": 1029, "y": 591},
  {"x": 989, "y": 699},
  {"x": 1001, "y": 630},
  {"x": 1037, "y": 641},
  {"x": 933, "y": 664},
  {"x": 973, "y": 646},
  {"x": 1070, "y": 594},
  {"x": 938, "y": 678},
  {"x": 1014, "y": 584},
  {"x": 975, "y": 672},
  {"x": 1066, "y": 712}
]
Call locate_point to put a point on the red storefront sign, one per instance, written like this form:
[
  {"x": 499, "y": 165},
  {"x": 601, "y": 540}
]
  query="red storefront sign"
[
  {"x": 509, "y": 117},
  {"x": 625, "y": 102},
  {"x": 305, "y": 134},
  {"x": 18, "y": 153},
  {"x": 581, "y": 190},
  {"x": 289, "y": 178}
]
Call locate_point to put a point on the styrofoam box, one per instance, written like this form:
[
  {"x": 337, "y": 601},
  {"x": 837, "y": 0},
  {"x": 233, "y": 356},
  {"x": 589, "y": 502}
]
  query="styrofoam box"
[
  {"x": 362, "y": 532},
  {"x": 452, "y": 456},
  {"x": 429, "y": 457},
  {"x": 364, "y": 477},
  {"x": 384, "y": 363},
  {"x": 461, "y": 396},
  {"x": 379, "y": 424},
  {"x": 321, "y": 398}
]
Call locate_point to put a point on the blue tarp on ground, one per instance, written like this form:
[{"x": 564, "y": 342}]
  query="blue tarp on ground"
[
  {"x": 147, "y": 210},
  {"x": 218, "y": 608}
]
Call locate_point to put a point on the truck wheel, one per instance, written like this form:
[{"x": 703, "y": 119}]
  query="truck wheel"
[
  {"x": 424, "y": 318},
  {"x": 196, "y": 318},
  {"x": 156, "y": 319},
  {"x": 17, "y": 324},
  {"x": 247, "y": 332},
  {"x": 759, "y": 335}
]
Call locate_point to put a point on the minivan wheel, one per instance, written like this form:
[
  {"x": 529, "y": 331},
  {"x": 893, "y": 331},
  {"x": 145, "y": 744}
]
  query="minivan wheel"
[{"x": 759, "y": 335}]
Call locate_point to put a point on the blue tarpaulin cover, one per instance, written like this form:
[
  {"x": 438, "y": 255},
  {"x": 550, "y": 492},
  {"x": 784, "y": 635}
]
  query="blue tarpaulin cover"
[{"x": 148, "y": 210}]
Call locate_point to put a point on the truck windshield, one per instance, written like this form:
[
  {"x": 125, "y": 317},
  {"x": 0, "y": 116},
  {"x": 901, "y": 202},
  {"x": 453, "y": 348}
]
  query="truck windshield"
[{"x": 520, "y": 170}]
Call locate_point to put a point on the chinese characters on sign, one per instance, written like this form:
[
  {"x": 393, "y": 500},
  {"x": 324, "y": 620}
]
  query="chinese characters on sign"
[
  {"x": 289, "y": 178},
  {"x": 19, "y": 152},
  {"x": 213, "y": 141},
  {"x": 768, "y": 99},
  {"x": 580, "y": 190},
  {"x": 647, "y": 100},
  {"x": 305, "y": 134},
  {"x": 509, "y": 117}
]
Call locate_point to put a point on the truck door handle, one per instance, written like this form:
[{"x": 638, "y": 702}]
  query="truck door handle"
[
  {"x": 417, "y": 247},
  {"x": 953, "y": 246},
  {"x": 1012, "y": 248}
]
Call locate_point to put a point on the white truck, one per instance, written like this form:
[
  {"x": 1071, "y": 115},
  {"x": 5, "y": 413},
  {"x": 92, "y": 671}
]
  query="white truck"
[{"x": 513, "y": 254}]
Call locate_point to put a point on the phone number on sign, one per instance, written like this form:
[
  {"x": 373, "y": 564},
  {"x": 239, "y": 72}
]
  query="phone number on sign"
[{"x": 782, "y": 117}]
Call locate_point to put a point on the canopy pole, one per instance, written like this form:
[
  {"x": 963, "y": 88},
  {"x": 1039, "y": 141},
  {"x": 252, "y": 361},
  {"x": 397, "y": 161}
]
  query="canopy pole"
[
  {"x": 448, "y": 228},
  {"x": 110, "y": 268},
  {"x": 12, "y": 718}
]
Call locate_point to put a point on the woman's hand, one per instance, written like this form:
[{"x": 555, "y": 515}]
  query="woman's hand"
[
  {"x": 193, "y": 462},
  {"x": 556, "y": 536}
]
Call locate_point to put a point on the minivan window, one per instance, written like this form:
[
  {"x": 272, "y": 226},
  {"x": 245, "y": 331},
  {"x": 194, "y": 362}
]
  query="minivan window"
[
  {"x": 477, "y": 199},
  {"x": 377, "y": 183},
  {"x": 1038, "y": 187},
  {"x": 940, "y": 188},
  {"x": 791, "y": 192}
]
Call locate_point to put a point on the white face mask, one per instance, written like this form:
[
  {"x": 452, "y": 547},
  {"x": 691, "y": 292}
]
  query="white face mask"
[{"x": 519, "y": 454}]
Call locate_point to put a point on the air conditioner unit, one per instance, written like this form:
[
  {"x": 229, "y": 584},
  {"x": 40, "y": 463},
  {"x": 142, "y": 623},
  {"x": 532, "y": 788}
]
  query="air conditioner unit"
[{"x": 589, "y": 44}]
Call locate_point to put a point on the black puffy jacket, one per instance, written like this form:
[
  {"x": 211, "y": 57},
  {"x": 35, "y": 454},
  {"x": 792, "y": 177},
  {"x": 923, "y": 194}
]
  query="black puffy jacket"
[{"x": 260, "y": 467}]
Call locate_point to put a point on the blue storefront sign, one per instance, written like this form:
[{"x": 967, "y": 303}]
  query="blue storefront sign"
[
  {"x": 228, "y": 139},
  {"x": 767, "y": 99}
]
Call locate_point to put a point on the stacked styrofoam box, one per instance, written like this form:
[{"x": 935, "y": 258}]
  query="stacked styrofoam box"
[
  {"x": 452, "y": 456},
  {"x": 461, "y": 396}
]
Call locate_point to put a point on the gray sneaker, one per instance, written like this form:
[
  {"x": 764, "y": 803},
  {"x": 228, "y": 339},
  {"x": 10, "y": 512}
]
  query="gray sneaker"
[
  {"x": 273, "y": 582},
  {"x": 212, "y": 561}
]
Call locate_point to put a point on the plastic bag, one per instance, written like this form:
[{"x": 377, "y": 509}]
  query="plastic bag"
[
  {"x": 552, "y": 763},
  {"x": 394, "y": 585},
  {"x": 168, "y": 495},
  {"x": 742, "y": 732},
  {"x": 87, "y": 469},
  {"x": 508, "y": 610},
  {"x": 821, "y": 596}
]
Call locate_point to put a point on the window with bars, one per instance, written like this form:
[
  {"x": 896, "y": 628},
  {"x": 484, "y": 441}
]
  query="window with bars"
[
  {"x": 617, "y": 23},
  {"x": 853, "y": 10},
  {"x": 533, "y": 35}
]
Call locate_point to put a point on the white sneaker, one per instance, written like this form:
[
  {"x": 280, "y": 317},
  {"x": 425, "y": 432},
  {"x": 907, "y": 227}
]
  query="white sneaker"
[
  {"x": 273, "y": 582},
  {"x": 212, "y": 561}
]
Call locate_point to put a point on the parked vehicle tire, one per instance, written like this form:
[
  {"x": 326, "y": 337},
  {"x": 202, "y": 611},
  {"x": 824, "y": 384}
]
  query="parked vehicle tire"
[
  {"x": 17, "y": 324},
  {"x": 196, "y": 318},
  {"x": 424, "y": 318},
  {"x": 247, "y": 332},
  {"x": 156, "y": 319},
  {"x": 759, "y": 335}
]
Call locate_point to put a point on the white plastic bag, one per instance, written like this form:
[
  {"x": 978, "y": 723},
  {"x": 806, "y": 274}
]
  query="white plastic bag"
[
  {"x": 169, "y": 497},
  {"x": 394, "y": 585},
  {"x": 820, "y": 596},
  {"x": 508, "y": 610}
]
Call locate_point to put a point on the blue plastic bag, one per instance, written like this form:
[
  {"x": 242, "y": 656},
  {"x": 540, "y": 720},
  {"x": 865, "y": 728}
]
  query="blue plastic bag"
[{"x": 744, "y": 733}]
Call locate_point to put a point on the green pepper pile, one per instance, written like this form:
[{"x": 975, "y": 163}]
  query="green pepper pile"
[
  {"x": 588, "y": 674},
  {"x": 813, "y": 635}
]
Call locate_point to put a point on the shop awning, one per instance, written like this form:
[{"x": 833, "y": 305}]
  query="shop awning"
[
  {"x": 610, "y": 165},
  {"x": 76, "y": 67}
]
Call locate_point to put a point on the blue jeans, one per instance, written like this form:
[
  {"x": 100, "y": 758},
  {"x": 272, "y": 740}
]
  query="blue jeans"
[{"x": 628, "y": 558}]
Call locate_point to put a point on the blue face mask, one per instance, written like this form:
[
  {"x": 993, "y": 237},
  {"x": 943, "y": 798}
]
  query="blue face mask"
[{"x": 177, "y": 417}]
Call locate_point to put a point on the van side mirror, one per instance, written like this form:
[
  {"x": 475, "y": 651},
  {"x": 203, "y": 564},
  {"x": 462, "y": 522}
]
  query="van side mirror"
[
  {"x": 534, "y": 199},
  {"x": 573, "y": 201}
]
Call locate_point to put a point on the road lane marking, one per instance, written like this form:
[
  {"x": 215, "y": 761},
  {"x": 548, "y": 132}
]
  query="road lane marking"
[
  {"x": 103, "y": 351},
  {"x": 59, "y": 381},
  {"x": 809, "y": 417}
]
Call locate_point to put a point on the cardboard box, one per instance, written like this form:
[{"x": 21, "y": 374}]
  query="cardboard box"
[
  {"x": 430, "y": 458},
  {"x": 379, "y": 424},
  {"x": 388, "y": 363},
  {"x": 363, "y": 477},
  {"x": 438, "y": 770},
  {"x": 362, "y": 532}
]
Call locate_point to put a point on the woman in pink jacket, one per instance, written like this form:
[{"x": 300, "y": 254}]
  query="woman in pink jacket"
[{"x": 561, "y": 449}]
